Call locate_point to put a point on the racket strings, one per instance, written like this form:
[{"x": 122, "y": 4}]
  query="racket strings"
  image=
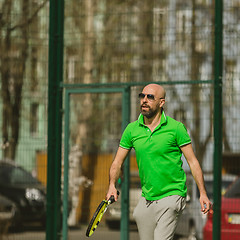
[{"x": 102, "y": 208}]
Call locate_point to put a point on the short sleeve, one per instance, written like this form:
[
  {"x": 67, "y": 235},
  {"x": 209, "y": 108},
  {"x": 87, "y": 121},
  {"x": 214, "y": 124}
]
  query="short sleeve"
[
  {"x": 126, "y": 140},
  {"x": 183, "y": 137}
]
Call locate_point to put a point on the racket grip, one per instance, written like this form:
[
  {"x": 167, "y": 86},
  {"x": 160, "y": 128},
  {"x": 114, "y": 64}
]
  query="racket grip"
[{"x": 112, "y": 199}]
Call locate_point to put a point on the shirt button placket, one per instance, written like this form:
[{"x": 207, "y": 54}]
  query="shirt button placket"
[{"x": 148, "y": 133}]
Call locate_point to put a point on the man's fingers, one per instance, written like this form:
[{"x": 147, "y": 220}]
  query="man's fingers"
[
  {"x": 112, "y": 193},
  {"x": 116, "y": 194},
  {"x": 206, "y": 207},
  {"x": 116, "y": 197}
]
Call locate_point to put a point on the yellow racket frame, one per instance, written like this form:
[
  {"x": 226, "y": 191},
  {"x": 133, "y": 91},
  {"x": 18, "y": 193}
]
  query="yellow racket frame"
[
  {"x": 102, "y": 207},
  {"x": 97, "y": 216}
]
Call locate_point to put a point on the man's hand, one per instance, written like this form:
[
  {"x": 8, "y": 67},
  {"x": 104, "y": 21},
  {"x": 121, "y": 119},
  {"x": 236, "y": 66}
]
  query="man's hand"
[
  {"x": 206, "y": 205},
  {"x": 112, "y": 191}
]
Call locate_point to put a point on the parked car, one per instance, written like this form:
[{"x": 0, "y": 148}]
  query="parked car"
[
  {"x": 113, "y": 214},
  {"x": 25, "y": 191},
  {"x": 7, "y": 214},
  {"x": 230, "y": 215},
  {"x": 192, "y": 220}
]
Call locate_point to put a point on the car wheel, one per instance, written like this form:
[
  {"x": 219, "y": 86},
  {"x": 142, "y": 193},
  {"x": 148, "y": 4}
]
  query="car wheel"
[
  {"x": 113, "y": 224},
  {"x": 44, "y": 223},
  {"x": 192, "y": 235},
  {"x": 176, "y": 237}
]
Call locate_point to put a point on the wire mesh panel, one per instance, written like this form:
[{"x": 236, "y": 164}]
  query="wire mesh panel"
[
  {"x": 161, "y": 41},
  {"x": 90, "y": 157},
  {"x": 23, "y": 104},
  {"x": 115, "y": 42}
]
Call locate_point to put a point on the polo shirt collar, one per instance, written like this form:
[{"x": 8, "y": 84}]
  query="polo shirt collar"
[{"x": 162, "y": 121}]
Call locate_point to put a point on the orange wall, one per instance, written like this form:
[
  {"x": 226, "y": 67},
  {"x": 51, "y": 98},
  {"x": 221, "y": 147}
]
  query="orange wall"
[
  {"x": 41, "y": 165},
  {"x": 94, "y": 167},
  {"x": 97, "y": 192}
]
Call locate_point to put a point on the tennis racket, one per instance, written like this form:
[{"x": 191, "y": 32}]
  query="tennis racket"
[{"x": 97, "y": 216}]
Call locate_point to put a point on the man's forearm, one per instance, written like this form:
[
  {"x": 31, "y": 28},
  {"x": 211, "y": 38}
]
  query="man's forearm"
[
  {"x": 198, "y": 177},
  {"x": 115, "y": 171},
  {"x": 195, "y": 167},
  {"x": 114, "y": 174}
]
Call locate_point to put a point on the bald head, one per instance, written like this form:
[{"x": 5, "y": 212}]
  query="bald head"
[
  {"x": 155, "y": 89},
  {"x": 152, "y": 99}
]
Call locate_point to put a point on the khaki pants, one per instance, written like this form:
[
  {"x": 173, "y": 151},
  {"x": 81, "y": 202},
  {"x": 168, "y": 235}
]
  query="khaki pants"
[{"x": 157, "y": 220}]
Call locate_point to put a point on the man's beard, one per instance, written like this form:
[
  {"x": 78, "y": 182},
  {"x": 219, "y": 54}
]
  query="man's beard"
[{"x": 150, "y": 113}]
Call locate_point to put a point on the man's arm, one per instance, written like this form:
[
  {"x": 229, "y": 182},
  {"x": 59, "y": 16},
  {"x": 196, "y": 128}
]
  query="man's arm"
[
  {"x": 198, "y": 176},
  {"x": 115, "y": 171}
]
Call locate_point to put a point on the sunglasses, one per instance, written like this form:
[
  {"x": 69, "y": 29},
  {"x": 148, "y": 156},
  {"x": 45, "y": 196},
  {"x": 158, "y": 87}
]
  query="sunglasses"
[{"x": 149, "y": 96}]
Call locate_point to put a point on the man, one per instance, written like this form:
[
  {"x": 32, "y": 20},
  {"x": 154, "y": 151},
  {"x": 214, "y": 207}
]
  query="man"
[{"x": 159, "y": 142}]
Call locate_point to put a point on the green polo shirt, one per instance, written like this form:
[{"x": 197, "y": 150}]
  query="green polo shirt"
[{"x": 158, "y": 156}]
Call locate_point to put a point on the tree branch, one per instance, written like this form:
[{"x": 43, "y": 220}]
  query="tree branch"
[
  {"x": 29, "y": 20},
  {"x": 6, "y": 8}
]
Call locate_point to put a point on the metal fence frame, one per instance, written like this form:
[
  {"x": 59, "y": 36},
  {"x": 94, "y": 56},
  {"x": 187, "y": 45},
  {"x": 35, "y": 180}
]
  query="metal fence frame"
[
  {"x": 125, "y": 184},
  {"x": 55, "y": 95}
]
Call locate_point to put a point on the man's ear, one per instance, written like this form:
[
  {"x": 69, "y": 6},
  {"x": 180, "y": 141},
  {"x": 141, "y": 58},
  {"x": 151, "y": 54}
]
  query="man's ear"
[{"x": 162, "y": 102}]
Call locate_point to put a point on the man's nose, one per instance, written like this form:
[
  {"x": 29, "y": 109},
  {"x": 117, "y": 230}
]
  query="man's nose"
[{"x": 145, "y": 98}]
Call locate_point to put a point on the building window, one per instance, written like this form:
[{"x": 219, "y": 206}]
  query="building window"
[{"x": 34, "y": 118}]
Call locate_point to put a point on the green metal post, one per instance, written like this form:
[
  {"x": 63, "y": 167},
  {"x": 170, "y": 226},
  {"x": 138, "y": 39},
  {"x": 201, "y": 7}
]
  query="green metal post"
[
  {"x": 66, "y": 166},
  {"x": 55, "y": 64},
  {"x": 217, "y": 120},
  {"x": 124, "y": 226}
]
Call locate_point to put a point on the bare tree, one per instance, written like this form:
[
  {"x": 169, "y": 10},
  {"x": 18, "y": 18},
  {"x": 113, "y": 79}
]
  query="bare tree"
[
  {"x": 13, "y": 58},
  {"x": 197, "y": 58}
]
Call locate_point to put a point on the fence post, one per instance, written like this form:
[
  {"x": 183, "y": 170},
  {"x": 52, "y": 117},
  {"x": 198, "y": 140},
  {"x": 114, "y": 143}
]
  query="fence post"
[
  {"x": 218, "y": 58},
  {"x": 124, "y": 225},
  {"x": 55, "y": 76}
]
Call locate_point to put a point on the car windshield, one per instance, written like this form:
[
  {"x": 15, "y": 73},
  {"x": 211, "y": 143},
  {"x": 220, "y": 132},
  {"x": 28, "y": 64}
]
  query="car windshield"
[
  {"x": 12, "y": 175},
  {"x": 209, "y": 187},
  {"x": 234, "y": 190}
]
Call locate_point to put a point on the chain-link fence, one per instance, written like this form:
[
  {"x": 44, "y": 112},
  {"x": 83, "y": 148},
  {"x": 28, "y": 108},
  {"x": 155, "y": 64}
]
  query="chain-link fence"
[{"x": 115, "y": 42}]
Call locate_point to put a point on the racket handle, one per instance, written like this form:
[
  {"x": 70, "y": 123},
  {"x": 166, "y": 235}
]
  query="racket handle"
[{"x": 112, "y": 199}]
